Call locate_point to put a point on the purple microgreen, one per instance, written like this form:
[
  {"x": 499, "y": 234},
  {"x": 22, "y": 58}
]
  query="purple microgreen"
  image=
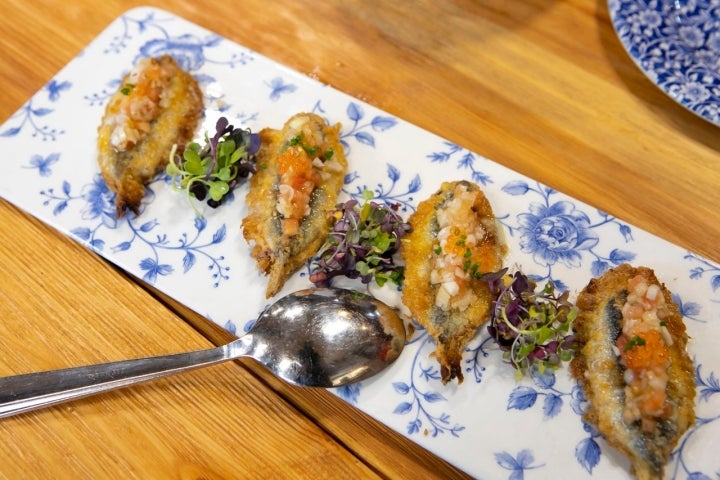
[
  {"x": 362, "y": 244},
  {"x": 532, "y": 327},
  {"x": 217, "y": 167}
]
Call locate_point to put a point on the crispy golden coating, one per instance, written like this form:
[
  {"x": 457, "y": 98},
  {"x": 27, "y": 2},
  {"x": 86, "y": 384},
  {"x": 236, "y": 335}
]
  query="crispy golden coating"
[
  {"x": 600, "y": 373},
  {"x": 451, "y": 319},
  {"x": 300, "y": 172},
  {"x": 157, "y": 105}
]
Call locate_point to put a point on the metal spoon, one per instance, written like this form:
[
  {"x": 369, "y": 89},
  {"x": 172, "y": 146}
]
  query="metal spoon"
[{"x": 313, "y": 338}]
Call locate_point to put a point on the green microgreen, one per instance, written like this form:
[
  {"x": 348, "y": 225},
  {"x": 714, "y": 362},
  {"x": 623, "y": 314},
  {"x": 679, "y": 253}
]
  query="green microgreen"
[
  {"x": 634, "y": 341},
  {"x": 362, "y": 243},
  {"x": 311, "y": 150},
  {"x": 217, "y": 167},
  {"x": 532, "y": 327},
  {"x": 127, "y": 88}
]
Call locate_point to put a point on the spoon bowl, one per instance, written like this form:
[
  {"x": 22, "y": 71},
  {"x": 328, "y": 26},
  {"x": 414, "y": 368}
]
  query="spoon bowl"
[
  {"x": 313, "y": 338},
  {"x": 326, "y": 337}
]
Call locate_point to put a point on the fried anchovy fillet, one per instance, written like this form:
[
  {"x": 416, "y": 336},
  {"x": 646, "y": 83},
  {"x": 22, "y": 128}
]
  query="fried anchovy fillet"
[
  {"x": 157, "y": 106},
  {"x": 300, "y": 171},
  {"x": 633, "y": 366},
  {"x": 454, "y": 240}
]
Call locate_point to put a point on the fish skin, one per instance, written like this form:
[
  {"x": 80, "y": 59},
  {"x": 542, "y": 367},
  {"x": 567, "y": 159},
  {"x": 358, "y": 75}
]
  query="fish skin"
[
  {"x": 600, "y": 373},
  {"x": 127, "y": 172},
  {"x": 278, "y": 256},
  {"x": 451, "y": 330}
]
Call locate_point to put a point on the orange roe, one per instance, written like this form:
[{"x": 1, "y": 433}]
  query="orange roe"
[
  {"x": 296, "y": 163},
  {"x": 651, "y": 354},
  {"x": 455, "y": 243}
]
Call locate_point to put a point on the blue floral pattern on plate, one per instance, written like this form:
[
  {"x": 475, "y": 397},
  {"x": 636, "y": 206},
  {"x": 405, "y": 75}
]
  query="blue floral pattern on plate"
[
  {"x": 491, "y": 426},
  {"x": 677, "y": 44}
]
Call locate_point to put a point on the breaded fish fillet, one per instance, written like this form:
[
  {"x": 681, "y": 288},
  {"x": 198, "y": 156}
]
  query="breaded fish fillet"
[
  {"x": 157, "y": 105},
  {"x": 454, "y": 240},
  {"x": 633, "y": 367},
  {"x": 300, "y": 171}
]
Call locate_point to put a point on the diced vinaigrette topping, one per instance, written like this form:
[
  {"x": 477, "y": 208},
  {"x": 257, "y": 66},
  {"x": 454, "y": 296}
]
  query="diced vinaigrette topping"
[
  {"x": 138, "y": 104},
  {"x": 454, "y": 261},
  {"x": 643, "y": 349},
  {"x": 298, "y": 179}
]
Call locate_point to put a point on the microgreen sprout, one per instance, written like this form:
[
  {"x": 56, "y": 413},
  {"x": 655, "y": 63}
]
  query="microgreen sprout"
[
  {"x": 312, "y": 151},
  {"x": 533, "y": 328},
  {"x": 216, "y": 168},
  {"x": 635, "y": 341},
  {"x": 362, "y": 243}
]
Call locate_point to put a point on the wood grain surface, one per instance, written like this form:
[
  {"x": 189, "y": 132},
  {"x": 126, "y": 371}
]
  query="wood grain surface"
[
  {"x": 61, "y": 308},
  {"x": 541, "y": 86}
]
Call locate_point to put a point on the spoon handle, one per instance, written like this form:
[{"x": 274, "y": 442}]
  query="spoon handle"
[{"x": 22, "y": 393}]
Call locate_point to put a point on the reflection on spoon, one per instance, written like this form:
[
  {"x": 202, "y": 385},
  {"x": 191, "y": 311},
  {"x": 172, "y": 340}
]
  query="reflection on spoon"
[{"x": 312, "y": 338}]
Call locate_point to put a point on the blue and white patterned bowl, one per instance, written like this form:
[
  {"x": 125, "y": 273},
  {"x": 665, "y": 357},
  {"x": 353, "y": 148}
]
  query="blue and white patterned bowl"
[{"x": 677, "y": 44}]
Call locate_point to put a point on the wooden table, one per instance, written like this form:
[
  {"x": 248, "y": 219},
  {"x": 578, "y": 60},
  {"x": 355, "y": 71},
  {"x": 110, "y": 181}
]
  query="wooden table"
[{"x": 541, "y": 86}]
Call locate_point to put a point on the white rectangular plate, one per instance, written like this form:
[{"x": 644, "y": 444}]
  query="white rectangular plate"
[{"x": 491, "y": 426}]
